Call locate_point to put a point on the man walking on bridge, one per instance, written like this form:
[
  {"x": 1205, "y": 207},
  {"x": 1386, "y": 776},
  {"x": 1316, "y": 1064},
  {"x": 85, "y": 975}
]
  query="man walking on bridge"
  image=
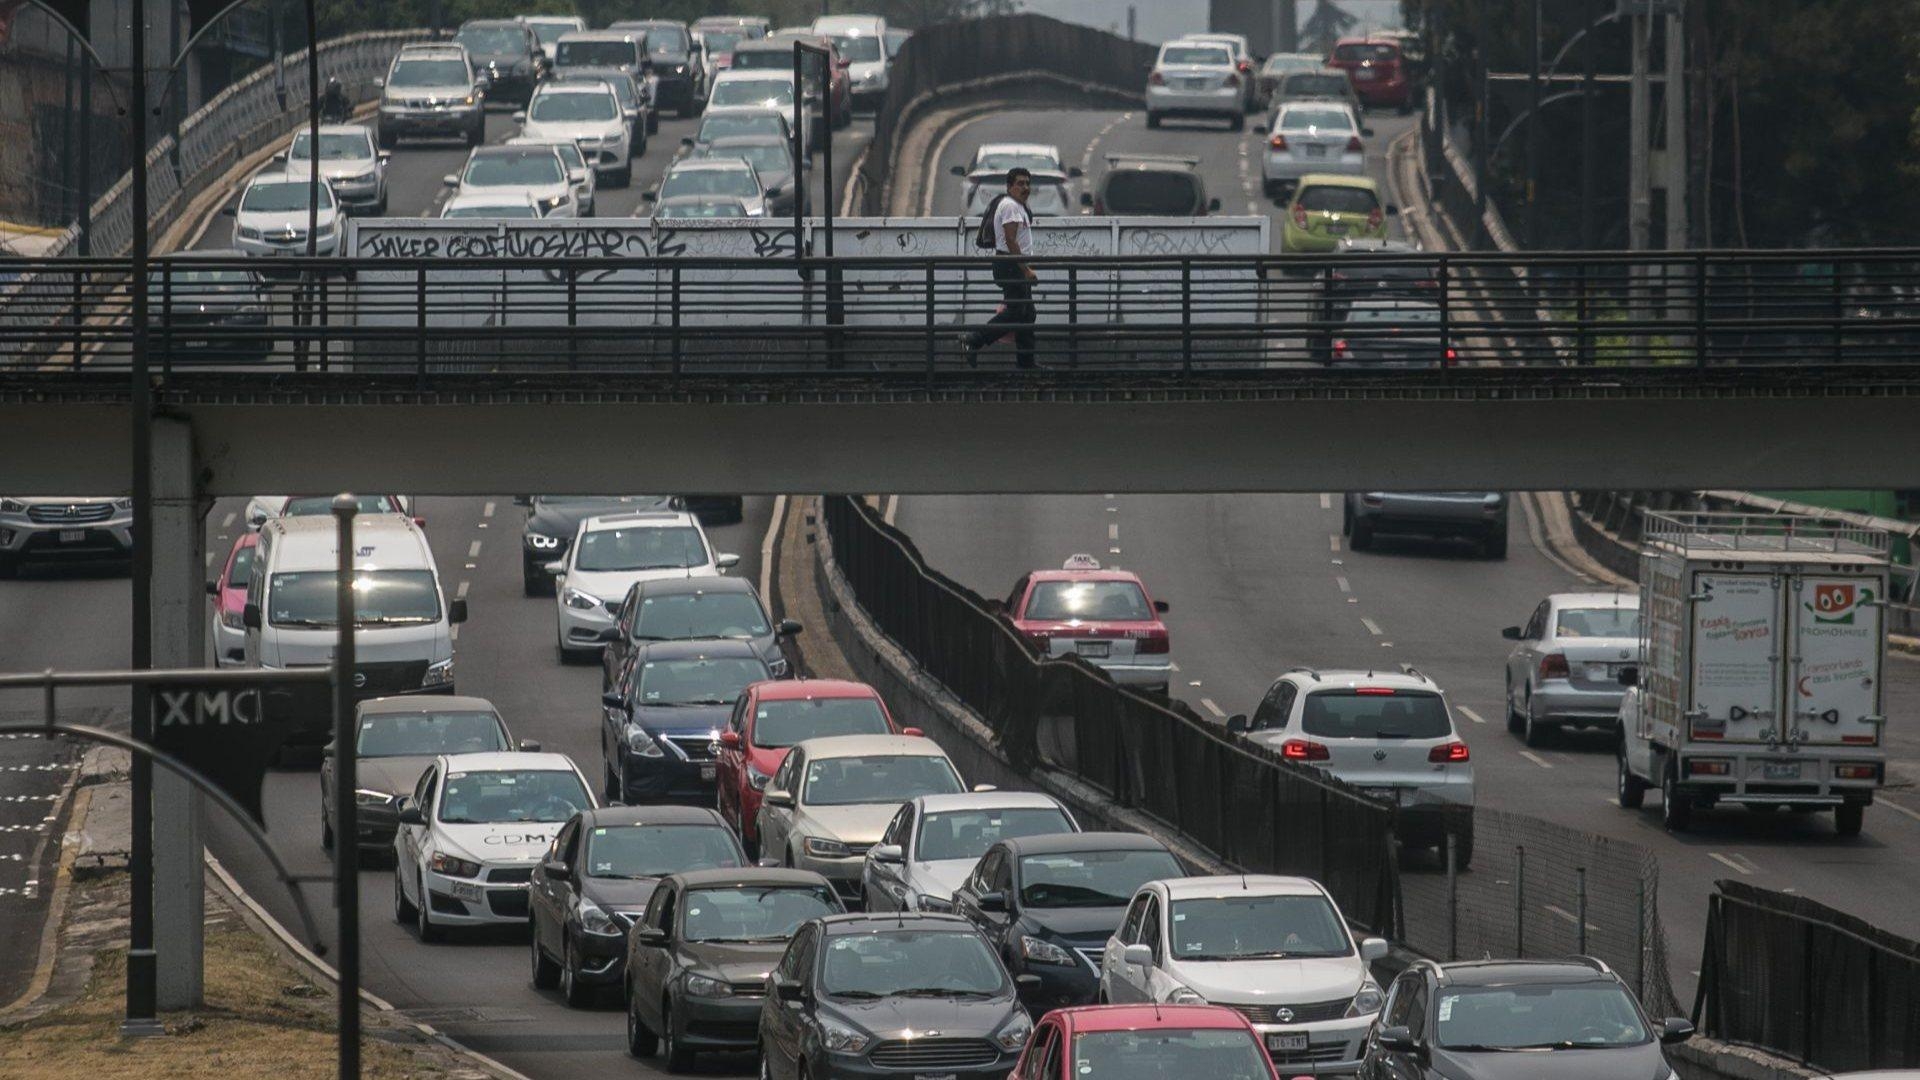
[{"x": 1011, "y": 226}]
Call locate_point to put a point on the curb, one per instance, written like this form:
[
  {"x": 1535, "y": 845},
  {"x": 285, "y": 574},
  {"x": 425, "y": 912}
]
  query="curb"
[{"x": 75, "y": 801}]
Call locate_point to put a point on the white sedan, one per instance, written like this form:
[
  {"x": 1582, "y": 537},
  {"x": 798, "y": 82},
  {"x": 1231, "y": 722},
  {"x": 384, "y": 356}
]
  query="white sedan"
[
  {"x": 589, "y": 115},
  {"x": 536, "y": 171},
  {"x": 272, "y": 217},
  {"x": 349, "y": 160}
]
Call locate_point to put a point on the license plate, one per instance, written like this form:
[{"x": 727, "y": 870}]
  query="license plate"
[
  {"x": 936, "y": 1076},
  {"x": 72, "y": 536},
  {"x": 1364, "y": 74},
  {"x": 1781, "y": 770},
  {"x": 1290, "y": 1041},
  {"x": 468, "y": 892},
  {"x": 1599, "y": 672},
  {"x": 706, "y": 771},
  {"x": 1385, "y": 793},
  {"x": 1335, "y": 228},
  {"x": 1092, "y": 648},
  {"x": 1196, "y": 84},
  {"x": 1316, "y": 151}
]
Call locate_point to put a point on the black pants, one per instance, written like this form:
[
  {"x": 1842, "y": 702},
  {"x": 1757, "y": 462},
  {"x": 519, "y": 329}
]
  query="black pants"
[{"x": 1017, "y": 288}]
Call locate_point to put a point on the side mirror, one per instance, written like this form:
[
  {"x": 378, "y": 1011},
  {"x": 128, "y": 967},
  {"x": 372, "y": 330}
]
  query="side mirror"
[
  {"x": 775, "y": 191},
  {"x": 1397, "y": 1039},
  {"x": 777, "y": 797},
  {"x": 730, "y": 740},
  {"x": 1213, "y": 206},
  {"x": 280, "y": 158},
  {"x": 1238, "y": 724},
  {"x": 958, "y": 170},
  {"x": 768, "y": 862},
  {"x": 556, "y": 870},
  {"x": 726, "y": 560},
  {"x": 1026, "y": 984},
  {"x": 789, "y": 991},
  {"x": 229, "y": 211},
  {"x": 450, "y": 180},
  {"x": 612, "y": 700},
  {"x": 1675, "y": 1029},
  {"x": 887, "y": 853},
  {"x": 1511, "y": 633},
  {"x": 520, "y": 117},
  {"x": 614, "y": 609},
  {"x": 1372, "y": 949},
  {"x": 557, "y": 567},
  {"x": 996, "y": 607},
  {"x": 649, "y": 196},
  {"x": 610, "y": 635},
  {"x": 1367, "y": 131},
  {"x": 686, "y": 140},
  {"x": 1392, "y": 209},
  {"x": 385, "y": 156},
  {"x": 379, "y": 84},
  {"x": 250, "y": 616},
  {"x": 651, "y": 935},
  {"x": 213, "y": 588},
  {"x": 523, "y": 500},
  {"x": 1629, "y": 676},
  {"x": 789, "y": 627},
  {"x": 1259, "y": 129},
  {"x": 410, "y": 815},
  {"x": 845, "y": 63},
  {"x": 1086, "y": 198},
  {"x": 1075, "y": 172},
  {"x": 1161, "y": 606},
  {"x": 992, "y": 902},
  {"x": 327, "y": 750},
  {"x": 1137, "y": 955},
  {"x": 529, "y": 746},
  {"x": 457, "y": 612},
  {"x": 807, "y": 164}
]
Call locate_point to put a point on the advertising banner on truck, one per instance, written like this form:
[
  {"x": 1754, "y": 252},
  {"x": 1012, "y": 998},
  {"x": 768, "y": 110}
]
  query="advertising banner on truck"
[
  {"x": 1735, "y": 641},
  {"x": 1837, "y": 626}
]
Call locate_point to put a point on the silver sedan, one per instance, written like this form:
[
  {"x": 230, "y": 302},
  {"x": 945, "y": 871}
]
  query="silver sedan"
[
  {"x": 1565, "y": 665},
  {"x": 1312, "y": 137}
]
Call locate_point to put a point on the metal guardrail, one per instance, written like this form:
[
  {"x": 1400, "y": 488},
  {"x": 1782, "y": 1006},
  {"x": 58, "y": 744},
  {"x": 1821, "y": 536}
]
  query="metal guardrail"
[{"x": 1162, "y": 314}]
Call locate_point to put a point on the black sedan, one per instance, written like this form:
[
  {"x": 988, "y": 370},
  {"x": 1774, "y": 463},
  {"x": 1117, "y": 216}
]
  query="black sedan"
[
  {"x": 508, "y": 54},
  {"x": 663, "y": 718},
  {"x": 598, "y": 878},
  {"x": 772, "y": 159},
  {"x": 678, "y": 62},
  {"x": 553, "y": 519},
  {"x": 207, "y": 305},
  {"x": 890, "y": 995},
  {"x": 1049, "y": 903},
  {"x": 684, "y": 609},
  {"x": 698, "y": 961},
  {"x": 399, "y": 737}
]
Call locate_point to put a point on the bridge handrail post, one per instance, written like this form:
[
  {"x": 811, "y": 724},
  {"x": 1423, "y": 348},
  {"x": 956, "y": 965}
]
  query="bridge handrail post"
[
  {"x": 930, "y": 324},
  {"x": 1445, "y": 275},
  {"x": 326, "y": 320},
  {"x": 420, "y": 323},
  {"x": 1073, "y": 316},
  {"x": 676, "y": 322},
  {"x": 1700, "y": 353},
  {"x": 1186, "y": 316},
  {"x": 1583, "y": 314},
  {"x": 79, "y": 314},
  {"x": 1839, "y": 312},
  {"x": 573, "y": 318},
  {"x": 166, "y": 315}
]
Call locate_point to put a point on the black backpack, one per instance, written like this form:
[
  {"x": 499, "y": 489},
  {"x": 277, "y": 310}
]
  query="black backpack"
[{"x": 984, "y": 237}]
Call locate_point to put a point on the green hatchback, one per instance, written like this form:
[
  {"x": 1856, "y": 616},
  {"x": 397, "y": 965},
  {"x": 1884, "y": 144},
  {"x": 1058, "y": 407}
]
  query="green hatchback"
[{"x": 1328, "y": 209}]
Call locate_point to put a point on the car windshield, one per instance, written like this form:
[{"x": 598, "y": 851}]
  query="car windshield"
[
  {"x": 666, "y": 39},
  {"x": 334, "y": 146},
  {"x": 772, "y": 93},
  {"x": 282, "y": 198},
  {"x": 1076, "y": 879},
  {"x": 1246, "y": 927},
  {"x": 240, "y": 574},
  {"x": 182, "y": 276},
  {"x": 877, "y": 778},
  {"x": 657, "y": 547},
  {"x": 1194, "y": 54},
  {"x": 573, "y": 105},
  {"x": 436, "y": 731},
  {"x": 1090, "y": 601},
  {"x": 533, "y": 168},
  {"x": 678, "y": 616},
  {"x": 1314, "y": 86},
  {"x": 1375, "y": 713},
  {"x": 857, "y": 49},
  {"x": 549, "y": 31},
  {"x": 722, "y": 41},
  {"x": 317, "y": 505},
  {"x": 1043, "y": 199},
  {"x": 1324, "y": 119},
  {"x": 749, "y": 913},
  {"x": 380, "y": 597},
  {"x": 1135, "y": 191},
  {"x": 588, "y": 53},
  {"x": 428, "y": 73},
  {"x": 704, "y": 680},
  {"x": 783, "y": 723},
  {"x": 736, "y": 182},
  {"x": 967, "y": 834},
  {"x": 999, "y": 161},
  {"x": 650, "y": 851},
  {"x": 499, "y": 210},
  {"x": 1608, "y": 622},
  {"x": 1359, "y": 53},
  {"x": 763, "y": 60},
  {"x": 491, "y": 40},
  {"x": 719, "y": 127},
  {"x": 1286, "y": 62},
  {"x": 1572, "y": 1017},
  {"x": 1338, "y": 199},
  {"x": 1155, "y": 1052},
  {"x": 612, "y": 502},
  {"x": 502, "y": 795},
  {"x": 1409, "y": 313},
  {"x": 892, "y": 963},
  {"x": 704, "y": 208},
  {"x": 764, "y": 157}
]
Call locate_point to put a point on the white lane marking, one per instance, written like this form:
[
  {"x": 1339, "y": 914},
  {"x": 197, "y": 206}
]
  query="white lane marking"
[
  {"x": 1326, "y": 501},
  {"x": 1738, "y": 863},
  {"x": 227, "y": 522},
  {"x": 1470, "y": 714},
  {"x": 1372, "y": 627},
  {"x": 1569, "y": 916},
  {"x": 473, "y": 550},
  {"x": 1175, "y": 666},
  {"x": 461, "y": 592},
  {"x": 1253, "y": 208},
  {"x": 1212, "y": 708},
  {"x": 486, "y": 511},
  {"x": 1898, "y": 809},
  {"x": 1086, "y": 156},
  {"x": 1536, "y": 759},
  {"x": 1113, "y": 530},
  {"x": 1113, "y": 551},
  {"x": 766, "y": 548},
  {"x": 1345, "y": 585},
  {"x": 934, "y": 170},
  {"x": 453, "y": 632},
  {"x": 1333, "y": 542},
  {"x": 209, "y": 558},
  {"x": 893, "y": 508}
]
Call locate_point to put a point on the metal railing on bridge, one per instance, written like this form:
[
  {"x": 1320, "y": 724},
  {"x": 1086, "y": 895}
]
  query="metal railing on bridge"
[{"x": 1153, "y": 315}]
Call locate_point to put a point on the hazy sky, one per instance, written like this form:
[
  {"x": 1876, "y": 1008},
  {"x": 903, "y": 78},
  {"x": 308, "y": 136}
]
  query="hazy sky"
[{"x": 1157, "y": 20}]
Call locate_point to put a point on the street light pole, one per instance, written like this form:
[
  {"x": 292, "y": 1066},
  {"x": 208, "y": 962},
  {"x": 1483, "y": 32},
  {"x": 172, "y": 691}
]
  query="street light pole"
[
  {"x": 1533, "y": 126},
  {"x": 346, "y": 844},
  {"x": 1587, "y": 162}
]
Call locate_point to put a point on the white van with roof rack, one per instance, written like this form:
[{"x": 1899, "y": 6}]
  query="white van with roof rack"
[{"x": 403, "y": 622}]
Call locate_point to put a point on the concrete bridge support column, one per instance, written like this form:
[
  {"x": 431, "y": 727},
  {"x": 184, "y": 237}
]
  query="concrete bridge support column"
[{"x": 179, "y": 615}]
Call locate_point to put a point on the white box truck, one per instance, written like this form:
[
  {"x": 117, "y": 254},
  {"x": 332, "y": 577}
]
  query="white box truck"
[{"x": 1763, "y": 637}]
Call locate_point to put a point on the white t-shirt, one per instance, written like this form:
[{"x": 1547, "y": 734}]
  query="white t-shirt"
[{"x": 1011, "y": 211}]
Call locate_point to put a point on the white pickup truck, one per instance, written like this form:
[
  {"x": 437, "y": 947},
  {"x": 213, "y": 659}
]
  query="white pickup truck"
[{"x": 1763, "y": 636}]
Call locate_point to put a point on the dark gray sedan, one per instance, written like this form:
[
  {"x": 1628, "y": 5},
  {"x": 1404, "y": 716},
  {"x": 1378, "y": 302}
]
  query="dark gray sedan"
[
  {"x": 686, "y": 609},
  {"x": 399, "y": 737},
  {"x": 207, "y": 305},
  {"x": 771, "y": 158}
]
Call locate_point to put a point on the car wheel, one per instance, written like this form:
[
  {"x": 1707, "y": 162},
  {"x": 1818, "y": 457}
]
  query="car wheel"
[
  {"x": 1361, "y": 536},
  {"x": 1153, "y": 119},
  {"x": 1848, "y": 817},
  {"x": 689, "y": 109},
  {"x": 1628, "y": 788},
  {"x": 326, "y": 830},
  {"x": 1237, "y": 123},
  {"x": 535, "y": 583},
  {"x": 641, "y": 1042},
  {"x": 610, "y": 786},
  {"x": 423, "y": 916},
  {"x": 385, "y": 138},
  {"x": 402, "y": 909},
  {"x": 793, "y": 858},
  {"x": 1514, "y": 723},
  {"x": 1346, "y": 518},
  {"x": 766, "y": 1070},
  {"x": 1495, "y": 546},
  {"x": 575, "y": 995},
  {"x": 1676, "y": 810},
  {"x": 640, "y": 142},
  {"x": 653, "y": 122},
  {"x": 546, "y": 973},
  {"x": 1537, "y": 732},
  {"x": 678, "y": 1057}
]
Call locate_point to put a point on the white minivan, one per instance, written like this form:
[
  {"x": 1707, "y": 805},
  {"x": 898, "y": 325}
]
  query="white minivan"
[{"x": 403, "y": 622}]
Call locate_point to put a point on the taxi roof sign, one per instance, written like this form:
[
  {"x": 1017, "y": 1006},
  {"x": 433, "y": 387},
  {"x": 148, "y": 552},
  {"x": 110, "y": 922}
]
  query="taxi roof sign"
[{"x": 1081, "y": 562}]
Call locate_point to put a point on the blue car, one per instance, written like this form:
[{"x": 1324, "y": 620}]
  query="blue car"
[{"x": 665, "y": 713}]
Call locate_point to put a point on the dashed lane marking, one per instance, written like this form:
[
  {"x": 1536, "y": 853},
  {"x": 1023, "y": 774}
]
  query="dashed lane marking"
[
  {"x": 1536, "y": 759},
  {"x": 1569, "y": 916},
  {"x": 1326, "y": 501},
  {"x": 1898, "y": 809},
  {"x": 209, "y": 558},
  {"x": 1736, "y": 862},
  {"x": 1372, "y": 627},
  {"x": 1471, "y": 715},
  {"x": 227, "y": 522},
  {"x": 1113, "y": 530},
  {"x": 473, "y": 550},
  {"x": 1345, "y": 585},
  {"x": 486, "y": 510},
  {"x": 461, "y": 592},
  {"x": 1333, "y": 542},
  {"x": 1212, "y": 708}
]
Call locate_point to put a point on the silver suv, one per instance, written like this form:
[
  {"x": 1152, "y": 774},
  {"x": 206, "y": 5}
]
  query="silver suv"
[
  {"x": 1387, "y": 733},
  {"x": 1480, "y": 516},
  {"x": 63, "y": 527},
  {"x": 432, "y": 90}
]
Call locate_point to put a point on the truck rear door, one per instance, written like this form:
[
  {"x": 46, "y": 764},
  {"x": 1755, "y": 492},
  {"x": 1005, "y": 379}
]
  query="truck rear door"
[
  {"x": 1835, "y": 665},
  {"x": 1734, "y": 646}
]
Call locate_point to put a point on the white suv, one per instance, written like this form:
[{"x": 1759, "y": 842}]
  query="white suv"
[
  {"x": 1389, "y": 734},
  {"x": 1276, "y": 950},
  {"x": 612, "y": 553}
]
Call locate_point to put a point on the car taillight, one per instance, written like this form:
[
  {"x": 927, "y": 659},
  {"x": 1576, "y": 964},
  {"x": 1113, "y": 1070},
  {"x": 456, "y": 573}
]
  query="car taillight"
[
  {"x": 1447, "y": 753},
  {"x": 1355, "y": 146},
  {"x": 1374, "y": 219},
  {"x": 1303, "y": 750},
  {"x": 1041, "y": 639},
  {"x": 1339, "y": 348},
  {"x": 1156, "y": 79},
  {"x": 1373, "y": 500},
  {"x": 1452, "y": 357},
  {"x": 1374, "y": 691},
  {"x": 1245, "y": 65},
  {"x": 1156, "y": 641},
  {"x": 1553, "y": 666},
  {"x": 1299, "y": 216},
  {"x": 1278, "y": 142},
  {"x": 1856, "y": 772},
  {"x": 1706, "y": 767}
]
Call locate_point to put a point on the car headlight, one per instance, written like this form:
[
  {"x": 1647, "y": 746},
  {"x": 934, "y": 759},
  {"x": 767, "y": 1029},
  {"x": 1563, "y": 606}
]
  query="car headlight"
[
  {"x": 841, "y": 1039},
  {"x": 440, "y": 674},
  {"x": 1368, "y": 1000},
  {"x": 595, "y": 920},
  {"x": 12, "y": 506},
  {"x": 778, "y": 667},
  {"x": 233, "y": 620},
  {"x": 577, "y": 599},
  {"x": 542, "y": 542},
  {"x": 758, "y": 779},
  {"x": 1183, "y": 995},
  {"x": 701, "y": 986},
  {"x": 548, "y": 206},
  {"x": 469, "y": 99},
  {"x": 822, "y": 848},
  {"x": 639, "y": 742},
  {"x": 249, "y": 233},
  {"x": 922, "y": 902},
  {"x": 1015, "y": 1034},
  {"x": 442, "y": 863},
  {"x": 123, "y": 504},
  {"x": 369, "y": 797},
  {"x": 1044, "y": 952},
  {"x": 679, "y": 69}
]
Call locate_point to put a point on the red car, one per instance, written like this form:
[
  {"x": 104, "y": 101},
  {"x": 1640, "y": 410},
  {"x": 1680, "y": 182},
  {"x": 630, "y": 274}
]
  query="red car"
[
  {"x": 1104, "y": 616},
  {"x": 770, "y": 719},
  {"x": 1138, "y": 1042},
  {"x": 229, "y": 592},
  {"x": 1378, "y": 71}
]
